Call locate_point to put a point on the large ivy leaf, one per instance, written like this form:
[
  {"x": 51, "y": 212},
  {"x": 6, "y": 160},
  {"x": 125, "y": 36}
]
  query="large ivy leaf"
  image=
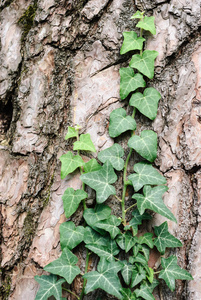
[
  {"x": 72, "y": 132},
  {"x": 137, "y": 220},
  {"x": 129, "y": 81},
  {"x": 145, "y": 144},
  {"x": 91, "y": 216},
  {"x": 113, "y": 154},
  {"x": 108, "y": 252},
  {"x": 144, "y": 63},
  {"x": 85, "y": 143},
  {"x": 70, "y": 236},
  {"x": 131, "y": 42},
  {"x": 164, "y": 238},
  {"x": 92, "y": 237},
  {"x": 104, "y": 278},
  {"x": 101, "y": 181},
  {"x": 64, "y": 266},
  {"x": 70, "y": 163},
  {"x": 91, "y": 166},
  {"x": 71, "y": 200},
  {"x": 147, "y": 23},
  {"x": 127, "y": 272},
  {"x": 172, "y": 271},
  {"x": 127, "y": 294},
  {"x": 146, "y": 103},
  {"x": 152, "y": 199},
  {"x": 49, "y": 286},
  {"x": 145, "y": 174},
  {"x": 110, "y": 225},
  {"x": 120, "y": 122}
]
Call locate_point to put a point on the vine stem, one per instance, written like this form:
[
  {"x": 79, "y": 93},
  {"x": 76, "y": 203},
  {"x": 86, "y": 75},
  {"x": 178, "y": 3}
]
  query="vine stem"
[
  {"x": 130, "y": 207},
  {"x": 70, "y": 293}
]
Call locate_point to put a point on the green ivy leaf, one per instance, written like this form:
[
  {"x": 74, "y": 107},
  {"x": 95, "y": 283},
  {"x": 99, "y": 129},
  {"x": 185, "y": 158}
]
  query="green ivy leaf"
[
  {"x": 71, "y": 200},
  {"x": 129, "y": 81},
  {"x": 144, "y": 292},
  {"x": 110, "y": 225},
  {"x": 101, "y": 181},
  {"x": 144, "y": 63},
  {"x": 164, "y": 238},
  {"x": 108, "y": 252},
  {"x": 85, "y": 143},
  {"x": 131, "y": 42},
  {"x": 106, "y": 278},
  {"x": 136, "y": 249},
  {"x": 140, "y": 259},
  {"x": 151, "y": 276},
  {"x": 91, "y": 166},
  {"x": 70, "y": 163},
  {"x": 92, "y": 237},
  {"x": 120, "y": 239},
  {"x": 64, "y": 266},
  {"x": 146, "y": 103},
  {"x": 137, "y": 220},
  {"x": 70, "y": 236},
  {"x": 126, "y": 272},
  {"x": 49, "y": 286},
  {"x": 145, "y": 174},
  {"x": 138, "y": 15},
  {"x": 92, "y": 216},
  {"x": 147, "y": 23},
  {"x": 146, "y": 239},
  {"x": 171, "y": 271},
  {"x": 130, "y": 241},
  {"x": 152, "y": 199},
  {"x": 72, "y": 132},
  {"x": 113, "y": 154},
  {"x": 145, "y": 144},
  {"x": 137, "y": 278},
  {"x": 145, "y": 250},
  {"x": 120, "y": 122},
  {"x": 151, "y": 286},
  {"x": 127, "y": 294}
]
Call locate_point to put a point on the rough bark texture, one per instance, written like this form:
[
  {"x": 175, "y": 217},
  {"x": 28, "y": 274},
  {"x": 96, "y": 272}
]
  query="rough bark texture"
[{"x": 59, "y": 67}]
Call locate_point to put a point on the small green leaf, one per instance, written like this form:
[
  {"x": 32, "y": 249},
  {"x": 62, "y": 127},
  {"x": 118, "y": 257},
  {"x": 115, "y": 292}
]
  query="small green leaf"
[
  {"x": 49, "y": 286},
  {"x": 126, "y": 272},
  {"x": 138, "y": 15},
  {"x": 101, "y": 181},
  {"x": 110, "y": 225},
  {"x": 146, "y": 103},
  {"x": 108, "y": 252},
  {"x": 136, "y": 249},
  {"x": 70, "y": 236},
  {"x": 70, "y": 163},
  {"x": 130, "y": 241},
  {"x": 91, "y": 166},
  {"x": 141, "y": 259},
  {"x": 129, "y": 81},
  {"x": 144, "y": 292},
  {"x": 144, "y": 63},
  {"x": 131, "y": 42},
  {"x": 147, "y": 23},
  {"x": 152, "y": 199},
  {"x": 137, "y": 220},
  {"x": 145, "y": 174},
  {"x": 71, "y": 200},
  {"x": 113, "y": 154},
  {"x": 85, "y": 143},
  {"x": 145, "y": 250},
  {"x": 106, "y": 279},
  {"x": 92, "y": 216},
  {"x": 120, "y": 122},
  {"x": 137, "y": 278},
  {"x": 171, "y": 271},
  {"x": 127, "y": 294},
  {"x": 64, "y": 266},
  {"x": 93, "y": 238},
  {"x": 120, "y": 239},
  {"x": 146, "y": 239},
  {"x": 151, "y": 276},
  {"x": 151, "y": 286},
  {"x": 72, "y": 132},
  {"x": 164, "y": 238},
  {"x": 145, "y": 144}
]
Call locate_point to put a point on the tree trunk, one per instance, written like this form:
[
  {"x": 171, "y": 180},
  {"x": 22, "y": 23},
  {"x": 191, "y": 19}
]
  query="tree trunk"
[{"x": 59, "y": 67}]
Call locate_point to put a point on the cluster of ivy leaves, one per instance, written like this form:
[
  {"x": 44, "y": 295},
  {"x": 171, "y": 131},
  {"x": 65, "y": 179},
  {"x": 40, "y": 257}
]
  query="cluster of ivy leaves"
[{"x": 123, "y": 269}]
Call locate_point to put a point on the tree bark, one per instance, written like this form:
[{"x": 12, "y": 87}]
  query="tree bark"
[{"x": 59, "y": 67}]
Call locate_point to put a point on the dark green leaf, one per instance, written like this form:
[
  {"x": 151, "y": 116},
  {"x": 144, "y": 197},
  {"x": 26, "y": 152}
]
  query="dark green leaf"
[
  {"x": 144, "y": 292},
  {"x": 146, "y": 239},
  {"x": 113, "y": 154},
  {"x": 145, "y": 144},
  {"x": 120, "y": 122},
  {"x": 145, "y": 250},
  {"x": 70, "y": 163},
  {"x": 126, "y": 272},
  {"x": 92, "y": 237},
  {"x": 127, "y": 294},
  {"x": 70, "y": 236},
  {"x": 144, "y": 63},
  {"x": 91, "y": 166},
  {"x": 71, "y": 200},
  {"x": 108, "y": 252},
  {"x": 147, "y": 23},
  {"x": 141, "y": 259},
  {"x": 72, "y": 132},
  {"x": 92, "y": 216},
  {"x": 130, "y": 241},
  {"x": 137, "y": 278},
  {"x": 85, "y": 143},
  {"x": 110, "y": 225},
  {"x": 101, "y": 181},
  {"x": 49, "y": 286},
  {"x": 137, "y": 220},
  {"x": 120, "y": 239},
  {"x": 131, "y": 42}
]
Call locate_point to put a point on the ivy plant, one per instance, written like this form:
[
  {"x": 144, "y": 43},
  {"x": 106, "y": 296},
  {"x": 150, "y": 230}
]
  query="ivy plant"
[{"x": 123, "y": 268}]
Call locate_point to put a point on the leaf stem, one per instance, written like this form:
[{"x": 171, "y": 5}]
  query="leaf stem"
[
  {"x": 118, "y": 198},
  {"x": 156, "y": 272},
  {"x": 70, "y": 293},
  {"x": 130, "y": 207},
  {"x": 86, "y": 269},
  {"x": 141, "y": 31}
]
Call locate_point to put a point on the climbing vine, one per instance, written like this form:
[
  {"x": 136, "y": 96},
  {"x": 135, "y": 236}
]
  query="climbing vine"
[{"x": 123, "y": 268}]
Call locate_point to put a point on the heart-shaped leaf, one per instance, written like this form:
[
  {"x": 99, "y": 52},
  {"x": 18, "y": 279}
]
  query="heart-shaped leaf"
[
  {"x": 64, "y": 266},
  {"x": 91, "y": 166},
  {"x": 144, "y": 63},
  {"x": 110, "y": 225},
  {"x": 70, "y": 163},
  {"x": 126, "y": 272},
  {"x": 93, "y": 238},
  {"x": 138, "y": 15},
  {"x": 120, "y": 239},
  {"x": 146, "y": 174},
  {"x": 70, "y": 236},
  {"x": 137, "y": 278},
  {"x": 129, "y": 81},
  {"x": 101, "y": 212},
  {"x": 145, "y": 144},
  {"x": 101, "y": 181},
  {"x": 146, "y": 239},
  {"x": 171, "y": 271},
  {"x": 71, "y": 200},
  {"x": 49, "y": 286},
  {"x": 147, "y": 23},
  {"x": 120, "y": 122},
  {"x": 85, "y": 143},
  {"x": 131, "y": 42},
  {"x": 152, "y": 199},
  {"x": 130, "y": 241},
  {"x": 108, "y": 252},
  {"x": 113, "y": 154},
  {"x": 146, "y": 103},
  {"x": 72, "y": 132}
]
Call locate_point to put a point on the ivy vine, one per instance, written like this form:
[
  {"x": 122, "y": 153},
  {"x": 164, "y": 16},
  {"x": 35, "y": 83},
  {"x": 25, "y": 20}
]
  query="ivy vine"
[{"x": 123, "y": 270}]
